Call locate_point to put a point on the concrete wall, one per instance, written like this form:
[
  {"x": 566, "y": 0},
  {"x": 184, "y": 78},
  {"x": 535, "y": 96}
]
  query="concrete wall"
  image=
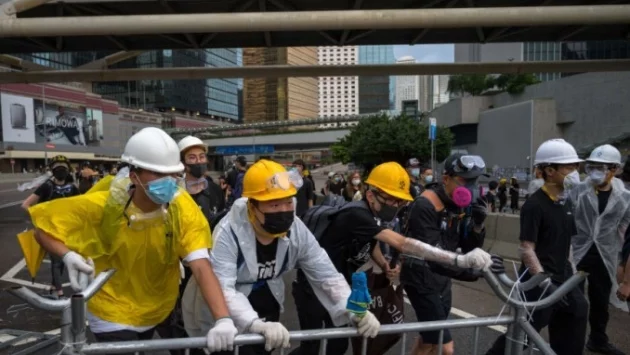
[
  {"x": 504, "y": 135},
  {"x": 590, "y": 107},
  {"x": 502, "y": 235},
  {"x": 463, "y": 110}
]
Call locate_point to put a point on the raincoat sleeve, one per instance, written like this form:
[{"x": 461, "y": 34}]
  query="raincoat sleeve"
[
  {"x": 102, "y": 185},
  {"x": 330, "y": 287},
  {"x": 194, "y": 228},
  {"x": 224, "y": 262},
  {"x": 73, "y": 221}
]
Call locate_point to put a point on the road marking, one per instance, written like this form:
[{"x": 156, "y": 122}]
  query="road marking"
[
  {"x": 11, "y": 204},
  {"x": 463, "y": 314},
  {"x": 9, "y": 276},
  {"x": 10, "y": 190}
]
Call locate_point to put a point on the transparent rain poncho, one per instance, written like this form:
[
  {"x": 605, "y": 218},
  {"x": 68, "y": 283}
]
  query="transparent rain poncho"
[
  {"x": 33, "y": 184},
  {"x": 144, "y": 248},
  {"x": 606, "y": 230}
]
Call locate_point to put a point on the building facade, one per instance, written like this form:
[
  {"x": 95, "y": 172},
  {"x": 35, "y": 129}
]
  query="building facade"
[
  {"x": 407, "y": 86},
  {"x": 217, "y": 98},
  {"x": 376, "y": 93},
  {"x": 271, "y": 99},
  {"x": 338, "y": 96}
]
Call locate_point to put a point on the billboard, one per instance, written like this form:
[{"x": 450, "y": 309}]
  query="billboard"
[
  {"x": 18, "y": 122},
  {"x": 66, "y": 124}
]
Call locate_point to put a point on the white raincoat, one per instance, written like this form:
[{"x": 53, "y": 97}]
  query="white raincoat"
[
  {"x": 304, "y": 252},
  {"x": 607, "y": 230}
]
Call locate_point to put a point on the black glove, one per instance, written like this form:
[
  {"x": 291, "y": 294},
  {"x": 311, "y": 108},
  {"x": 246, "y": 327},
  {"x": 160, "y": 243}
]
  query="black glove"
[
  {"x": 479, "y": 211},
  {"x": 497, "y": 266}
]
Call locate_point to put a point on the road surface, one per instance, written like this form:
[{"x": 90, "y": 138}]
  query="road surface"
[{"x": 469, "y": 299}]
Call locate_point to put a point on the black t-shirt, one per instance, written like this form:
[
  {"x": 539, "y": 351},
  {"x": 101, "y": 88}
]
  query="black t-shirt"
[
  {"x": 304, "y": 196},
  {"x": 335, "y": 187},
  {"x": 550, "y": 225},
  {"x": 211, "y": 200},
  {"x": 349, "y": 239},
  {"x": 50, "y": 191},
  {"x": 231, "y": 177},
  {"x": 602, "y": 200},
  {"x": 261, "y": 298},
  {"x": 492, "y": 201}
]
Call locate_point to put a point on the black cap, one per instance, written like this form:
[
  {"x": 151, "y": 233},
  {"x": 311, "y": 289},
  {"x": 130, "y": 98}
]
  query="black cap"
[{"x": 454, "y": 167}]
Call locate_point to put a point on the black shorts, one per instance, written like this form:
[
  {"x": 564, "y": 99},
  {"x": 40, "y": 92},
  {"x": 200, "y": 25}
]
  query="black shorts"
[{"x": 431, "y": 306}]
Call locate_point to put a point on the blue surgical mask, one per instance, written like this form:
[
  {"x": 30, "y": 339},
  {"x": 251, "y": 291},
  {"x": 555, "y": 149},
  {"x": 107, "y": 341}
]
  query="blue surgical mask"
[
  {"x": 162, "y": 191},
  {"x": 428, "y": 179},
  {"x": 415, "y": 172}
]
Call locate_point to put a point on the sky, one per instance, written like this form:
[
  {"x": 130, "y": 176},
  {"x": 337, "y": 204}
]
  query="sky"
[{"x": 427, "y": 53}]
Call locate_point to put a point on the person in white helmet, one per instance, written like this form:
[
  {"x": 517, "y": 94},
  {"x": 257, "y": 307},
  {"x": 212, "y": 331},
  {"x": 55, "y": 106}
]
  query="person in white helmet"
[
  {"x": 547, "y": 226},
  {"x": 602, "y": 215},
  {"x": 141, "y": 227}
]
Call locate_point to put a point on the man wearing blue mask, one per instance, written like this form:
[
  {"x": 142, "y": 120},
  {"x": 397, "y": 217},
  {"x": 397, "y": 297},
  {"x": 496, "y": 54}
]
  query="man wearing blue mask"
[{"x": 416, "y": 185}]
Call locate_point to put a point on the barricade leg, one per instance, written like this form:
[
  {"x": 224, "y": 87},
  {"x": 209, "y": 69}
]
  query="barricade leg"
[
  {"x": 518, "y": 339},
  {"x": 535, "y": 338}
]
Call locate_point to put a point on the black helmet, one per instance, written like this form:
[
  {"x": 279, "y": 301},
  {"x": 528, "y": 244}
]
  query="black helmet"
[{"x": 59, "y": 159}]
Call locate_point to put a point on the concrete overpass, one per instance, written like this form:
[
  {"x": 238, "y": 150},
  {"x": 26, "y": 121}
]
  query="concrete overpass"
[{"x": 276, "y": 142}]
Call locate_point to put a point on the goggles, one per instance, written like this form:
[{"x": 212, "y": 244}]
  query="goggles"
[
  {"x": 285, "y": 180},
  {"x": 589, "y": 167},
  {"x": 467, "y": 163}
]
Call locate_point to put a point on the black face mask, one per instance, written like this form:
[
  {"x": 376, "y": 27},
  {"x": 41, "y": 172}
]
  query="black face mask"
[
  {"x": 60, "y": 174},
  {"x": 387, "y": 213},
  {"x": 278, "y": 222},
  {"x": 197, "y": 170}
]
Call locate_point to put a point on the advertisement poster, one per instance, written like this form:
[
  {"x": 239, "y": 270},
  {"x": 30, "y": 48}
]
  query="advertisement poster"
[
  {"x": 62, "y": 124},
  {"x": 18, "y": 123},
  {"x": 95, "y": 126}
]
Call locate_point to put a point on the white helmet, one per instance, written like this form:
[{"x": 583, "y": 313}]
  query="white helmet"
[
  {"x": 190, "y": 141},
  {"x": 154, "y": 150},
  {"x": 606, "y": 154},
  {"x": 556, "y": 151},
  {"x": 331, "y": 174}
]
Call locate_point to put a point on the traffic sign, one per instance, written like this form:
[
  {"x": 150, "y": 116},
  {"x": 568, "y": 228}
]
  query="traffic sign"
[
  {"x": 50, "y": 146},
  {"x": 432, "y": 128},
  {"x": 12, "y": 162}
]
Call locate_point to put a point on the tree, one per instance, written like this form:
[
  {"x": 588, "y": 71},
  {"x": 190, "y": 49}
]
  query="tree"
[
  {"x": 473, "y": 84},
  {"x": 515, "y": 83},
  {"x": 379, "y": 139}
]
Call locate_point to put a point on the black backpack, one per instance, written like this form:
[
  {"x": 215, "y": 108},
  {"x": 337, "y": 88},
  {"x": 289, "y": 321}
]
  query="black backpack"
[
  {"x": 334, "y": 200},
  {"x": 318, "y": 218}
]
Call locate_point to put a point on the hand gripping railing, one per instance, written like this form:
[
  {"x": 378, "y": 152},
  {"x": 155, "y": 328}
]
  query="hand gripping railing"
[{"x": 73, "y": 321}]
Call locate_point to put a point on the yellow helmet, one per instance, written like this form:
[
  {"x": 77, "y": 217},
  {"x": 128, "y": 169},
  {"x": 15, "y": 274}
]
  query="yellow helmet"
[
  {"x": 267, "y": 180},
  {"x": 392, "y": 179}
]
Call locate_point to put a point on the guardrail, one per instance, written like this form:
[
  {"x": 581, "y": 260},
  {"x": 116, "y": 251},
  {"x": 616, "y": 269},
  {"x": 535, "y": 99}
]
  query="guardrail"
[{"x": 73, "y": 322}]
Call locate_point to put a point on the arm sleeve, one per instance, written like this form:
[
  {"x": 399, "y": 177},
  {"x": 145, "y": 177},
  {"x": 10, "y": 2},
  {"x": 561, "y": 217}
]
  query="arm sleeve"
[
  {"x": 73, "y": 221},
  {"x": 531, "y": 217},
  {"x": 364, "y": 227},
  {"x": 193, "y": 226},
  {"x": 224, "y": 263},
  {"x": 329, "y": 286},
  {"x": 423, "y": 222}
]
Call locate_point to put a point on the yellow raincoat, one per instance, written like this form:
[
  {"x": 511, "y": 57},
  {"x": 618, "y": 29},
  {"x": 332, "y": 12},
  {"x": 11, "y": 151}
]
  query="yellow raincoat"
[
  {"x": 102, "y": 185},
  {"x": 145, "y": 254}
]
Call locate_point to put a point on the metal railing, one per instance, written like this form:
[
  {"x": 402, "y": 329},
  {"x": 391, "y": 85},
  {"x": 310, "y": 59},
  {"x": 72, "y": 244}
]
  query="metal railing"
[{"x": 73, "y": 322}]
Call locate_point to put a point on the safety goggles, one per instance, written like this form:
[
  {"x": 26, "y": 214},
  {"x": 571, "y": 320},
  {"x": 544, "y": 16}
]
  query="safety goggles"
[
  {"x": 285, "y": 180},
  {"x": 468, "y": 163},
  {"x": 589, "y": 167}
]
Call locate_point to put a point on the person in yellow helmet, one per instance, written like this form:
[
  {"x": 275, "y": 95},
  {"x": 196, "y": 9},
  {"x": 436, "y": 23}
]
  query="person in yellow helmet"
[
  {"x": 259, "y": 241},
  {"x": 141, "y": 227},
  {"x": 351, "y": 240}
]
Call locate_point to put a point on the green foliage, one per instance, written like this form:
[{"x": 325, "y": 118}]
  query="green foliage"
[
  {"x": 380, "y": 139},
  {"x": 477, "y": 84},
  {"x": 473, "y": 84},
  {"x": 515, "y": 83}
]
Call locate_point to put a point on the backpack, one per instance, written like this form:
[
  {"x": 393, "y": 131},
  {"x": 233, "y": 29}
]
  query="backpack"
[
  {"x": 318, "y": 218},
  {"x": 333, "y": 200},
  {"x": 238, "y": 186}
]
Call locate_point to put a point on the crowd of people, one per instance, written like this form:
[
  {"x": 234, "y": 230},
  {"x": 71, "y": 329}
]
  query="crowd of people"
[{"x": 195, "y": 257}]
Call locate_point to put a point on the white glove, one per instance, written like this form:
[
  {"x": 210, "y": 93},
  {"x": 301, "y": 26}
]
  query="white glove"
[
  {"x": 276, "y": 335},
  {"x": 221, "y": 336},
  {"x": 477, "y": 259},
  {"x": 76, "y": 266},
  {"x": 368, "y": 325}
]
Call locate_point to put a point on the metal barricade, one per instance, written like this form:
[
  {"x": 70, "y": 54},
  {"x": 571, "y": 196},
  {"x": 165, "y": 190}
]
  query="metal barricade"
[{"x": 73, "y": 322}]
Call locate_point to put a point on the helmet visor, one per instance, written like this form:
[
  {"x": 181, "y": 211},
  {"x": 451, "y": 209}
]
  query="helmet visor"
[{"x": 285, "y": 180}]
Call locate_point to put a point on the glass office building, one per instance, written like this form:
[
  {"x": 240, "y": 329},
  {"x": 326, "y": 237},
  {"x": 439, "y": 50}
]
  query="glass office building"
[
  {"x": 376, "y": 93},
  {"x": 216, "y": 97}
]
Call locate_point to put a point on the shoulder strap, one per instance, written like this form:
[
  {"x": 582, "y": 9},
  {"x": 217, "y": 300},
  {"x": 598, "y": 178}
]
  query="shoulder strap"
[
  {"x": 434, "y": 199},
  {"x": 239, "y": 258}
]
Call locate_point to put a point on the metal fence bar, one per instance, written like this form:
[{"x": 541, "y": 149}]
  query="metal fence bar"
[
  {"x": 535, "y": 338},
  {"x": 303, "y": 335},
  {"x": 364, "y": 346},
  {"x": 441, "y": 342},
  {"x": 403, "y": 344},
  {"x": 476, "y": 341}
]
